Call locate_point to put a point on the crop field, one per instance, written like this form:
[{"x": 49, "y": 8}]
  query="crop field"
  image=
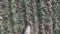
[{"x": 29, "y": 16}]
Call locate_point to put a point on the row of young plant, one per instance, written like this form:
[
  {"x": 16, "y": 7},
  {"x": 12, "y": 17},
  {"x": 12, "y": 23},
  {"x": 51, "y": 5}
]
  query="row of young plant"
[
  {"x": 12, "y": 15},
  {"x": 34, "y": 15},
  {"x": 54, "y": 7},
  {"x": 21, "y": 17},
  {"x": 5, "y": 17},
  {"x": 26, "y": 18},
  {"x": 40, "y": 16}
]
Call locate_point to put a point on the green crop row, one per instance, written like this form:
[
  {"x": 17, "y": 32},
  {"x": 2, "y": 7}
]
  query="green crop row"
[
  {"x": 40, "y": 15},
  {"x": 54, "y": 7},
  {"x": 5, "y": 16},
  {"x": 12, "y": 15}
]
